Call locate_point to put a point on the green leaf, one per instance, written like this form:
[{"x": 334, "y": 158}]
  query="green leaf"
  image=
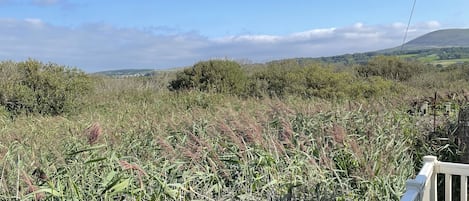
[
  {"x": 53, "y": 192},
  {"x": 108, "y": 179},
  {"x": 120, "y": 186},
  {"x": 170, "y": 192},
  {"x": 87, "y": 149},
  {"x": 95, "y": 160}
]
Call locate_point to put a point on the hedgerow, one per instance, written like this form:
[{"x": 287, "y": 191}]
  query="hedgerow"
[{"x": 32, "y": 87}]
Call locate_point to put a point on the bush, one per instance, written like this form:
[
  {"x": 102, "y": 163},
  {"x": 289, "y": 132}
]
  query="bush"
[
  {"x": 271, "y": 81},
  {"x": 374, "y": 87},
  {"x": 390, "y": 68},
  {"x": 34, "y": 87},
  {"x": 220, "y": 76},
  {"x": 310, "y": 81}
]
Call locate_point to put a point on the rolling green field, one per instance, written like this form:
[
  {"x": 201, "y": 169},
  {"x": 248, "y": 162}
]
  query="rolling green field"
[
  {"x": 133, "y": 139},
  {"x": 448, "y": 62}
]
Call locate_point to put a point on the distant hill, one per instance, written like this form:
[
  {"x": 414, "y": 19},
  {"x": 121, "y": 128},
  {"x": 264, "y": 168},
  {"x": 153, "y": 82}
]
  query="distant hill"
[
  {"x": 126, "y": 73},
  {"x": 440, "y": 39},
  {"x": 442, "y": 47},
  {"x": 444, "y": 38},
  {"x": 442, "y": 56}
]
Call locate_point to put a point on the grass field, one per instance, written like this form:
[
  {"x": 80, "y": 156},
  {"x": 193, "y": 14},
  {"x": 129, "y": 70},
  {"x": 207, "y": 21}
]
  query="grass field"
[
  {"x": 449, "y": 61},
  {"x": 135, "y": 140}
]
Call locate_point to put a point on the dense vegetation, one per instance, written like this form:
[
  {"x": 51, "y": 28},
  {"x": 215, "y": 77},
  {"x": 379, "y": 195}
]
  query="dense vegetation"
[
  {"x": 33, "y": 87},
  {"x": 211, "y": 76},
  {"x": 221, "y": 131}
]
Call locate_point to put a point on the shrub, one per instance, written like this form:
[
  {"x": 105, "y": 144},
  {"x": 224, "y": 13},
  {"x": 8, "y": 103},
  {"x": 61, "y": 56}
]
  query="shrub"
[
  {"x": 322, "y": 82},
  {"x": 310, "y": 81},
  {"x": 390, "y": 68},
  {"x": 271, "y": 81},
  {"x": 34, "y": 87},
  {"x": 374, "y": 87},
  {"x": 221, "y": 76}
]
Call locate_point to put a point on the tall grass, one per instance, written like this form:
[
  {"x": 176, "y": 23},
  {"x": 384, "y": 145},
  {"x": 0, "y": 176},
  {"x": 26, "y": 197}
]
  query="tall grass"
[{"x": 135, "y": 141}]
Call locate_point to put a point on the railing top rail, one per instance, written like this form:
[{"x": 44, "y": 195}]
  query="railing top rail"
[
  {"x": 428, "y": 165},
  {"x": 417, "y": 188},
  {"x": 452, "y": 168}
]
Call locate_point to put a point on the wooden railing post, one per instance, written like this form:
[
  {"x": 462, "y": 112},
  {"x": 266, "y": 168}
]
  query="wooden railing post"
[
  {"x": 430, "y": 192},
  {"x": 463, "y": 187},
  {"x": 448, "y": 187},
  {"x": 423, "y": 187}
]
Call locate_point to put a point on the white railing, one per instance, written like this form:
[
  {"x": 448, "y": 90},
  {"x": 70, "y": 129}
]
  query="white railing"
[{"x": 424, "y": 186}]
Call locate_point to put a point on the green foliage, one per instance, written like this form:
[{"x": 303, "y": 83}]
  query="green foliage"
[
  {"x": 271, "y": 81},
  {"x": 245, "y": 149},
  {"x": 374, "y": 87},
  {"x": 319, "y": 81},
  {"x": 390, "y": 68},
  {"x": 464, "y": 69},
  {"x": 34, "y": 87},
  {"x": 159, "y": 145},
  {"x": 221, "y": 76},
  {"x": 310, "y": 81}
]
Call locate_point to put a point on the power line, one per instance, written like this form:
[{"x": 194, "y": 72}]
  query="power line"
[{"x": 408, "y": 25}]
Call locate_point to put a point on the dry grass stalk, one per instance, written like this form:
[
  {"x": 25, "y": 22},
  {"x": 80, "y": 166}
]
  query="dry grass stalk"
[
  {"x": 287, "y": 134},
  {"x": 227, "y": 131},
  {"x": 356, "y": 149},
  {"x": 192, "y": 152},
  {"x": 195, "y": 147},
  {"x": 250, "y": 132},
  {"x": 167, "y": 148},
  {"x": 198, "y": 141},
  {"x": 93, "y": 133},
  {"x": 277, "y": 147},
  {"x": 128, "y": 166},
  {"x": 281, "y": 107},
  {"x": 338, "y": 133},
  {"x": 217, "y": 166},
  {"x": 32, "y": 187}
]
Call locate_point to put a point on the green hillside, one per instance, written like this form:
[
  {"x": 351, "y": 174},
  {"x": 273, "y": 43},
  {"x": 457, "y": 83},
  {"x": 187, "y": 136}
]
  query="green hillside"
[
  {"x": 442, "y": 56},
  {"x": 441, "y": 38},
  {"x": 442, "y": 47}
]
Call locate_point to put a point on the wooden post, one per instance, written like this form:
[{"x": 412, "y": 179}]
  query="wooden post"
[
  {"x": 434, "y": 113},
  {"x": 463, "y": 133}
]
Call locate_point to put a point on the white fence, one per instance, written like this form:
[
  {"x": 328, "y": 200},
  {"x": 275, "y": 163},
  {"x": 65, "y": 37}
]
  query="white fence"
[{"x": 424, "y": 186}]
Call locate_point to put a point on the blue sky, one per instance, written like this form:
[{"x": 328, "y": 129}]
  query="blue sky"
[{"x": 99, "y": 35}]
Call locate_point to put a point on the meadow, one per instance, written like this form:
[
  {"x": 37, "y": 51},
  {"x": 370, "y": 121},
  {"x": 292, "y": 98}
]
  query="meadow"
[{"x": 138, "y": 139}]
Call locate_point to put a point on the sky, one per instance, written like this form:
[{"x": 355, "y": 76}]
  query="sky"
[{"x": 97, "y": 35}]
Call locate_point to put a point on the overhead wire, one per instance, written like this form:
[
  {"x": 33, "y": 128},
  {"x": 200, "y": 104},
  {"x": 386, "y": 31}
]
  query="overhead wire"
[{"x": 408, "y": 25}]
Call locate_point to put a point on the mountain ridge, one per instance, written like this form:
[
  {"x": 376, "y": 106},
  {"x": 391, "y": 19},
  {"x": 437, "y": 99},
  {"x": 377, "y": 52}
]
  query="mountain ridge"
[{"x": 442, "y": 38}]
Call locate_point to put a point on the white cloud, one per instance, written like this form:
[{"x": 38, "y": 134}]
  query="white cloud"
[
  {"x": 430, "y": 24},
  {"x": 313, "y": 34},
  {"x": 358, "y": 25},
  {"x": 95, "y": 47},
  {"x": 34, "y": 21},
  {"x": 249, "y": 38}
]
